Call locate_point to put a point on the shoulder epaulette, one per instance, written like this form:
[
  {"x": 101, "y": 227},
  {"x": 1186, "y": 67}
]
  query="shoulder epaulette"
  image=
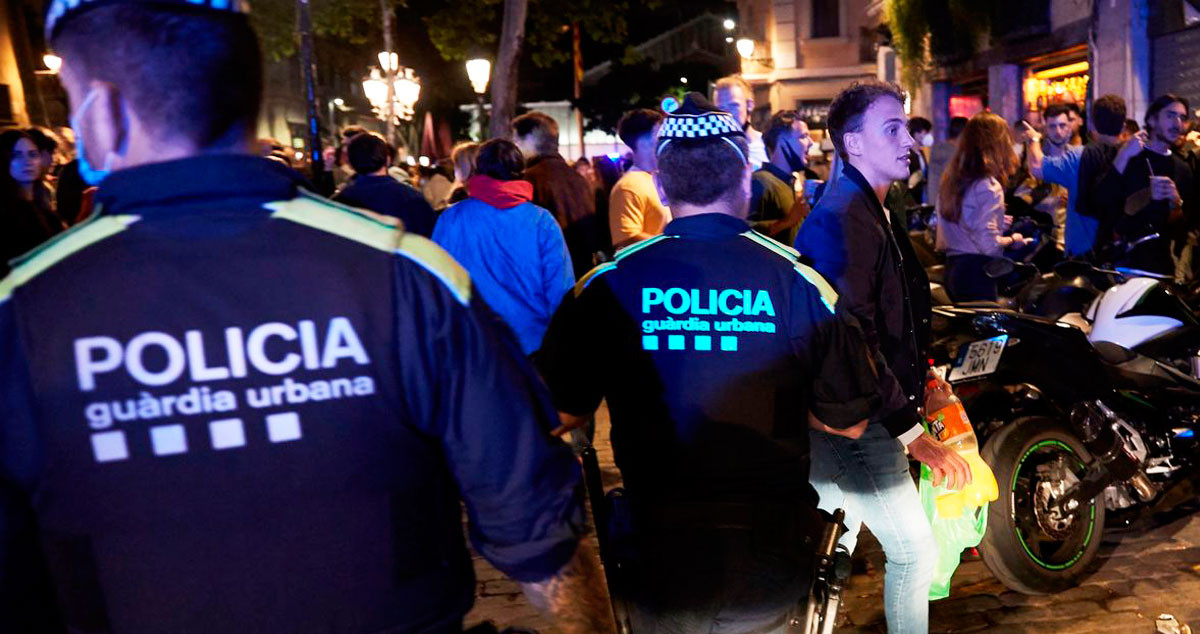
[
  {"x": 828, "y": 296},
  {"x": 591, "y": 275},
  {"x": 638, "y": 246},
  {"x": 378, "y": 231},
  {"x": 75, "y": 239}
]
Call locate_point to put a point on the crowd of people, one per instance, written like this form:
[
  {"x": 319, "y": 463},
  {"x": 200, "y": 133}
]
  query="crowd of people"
[
  {"x": 238, "y": 400},
  {"x": 1098, "y": 188}
]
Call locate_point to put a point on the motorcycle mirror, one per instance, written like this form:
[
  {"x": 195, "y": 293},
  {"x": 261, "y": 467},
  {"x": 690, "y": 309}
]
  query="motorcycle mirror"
[
  {"x": 997, "y": 268},
  {"x": 1072, "y": 268}
]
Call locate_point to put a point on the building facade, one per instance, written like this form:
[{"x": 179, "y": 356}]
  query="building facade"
[
  {"x": 1037, "y": 53},
  {"x": 805, "y": 51}
]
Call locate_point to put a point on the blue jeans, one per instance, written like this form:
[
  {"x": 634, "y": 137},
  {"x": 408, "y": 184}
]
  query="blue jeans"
[{"x": 869, "y": 478}]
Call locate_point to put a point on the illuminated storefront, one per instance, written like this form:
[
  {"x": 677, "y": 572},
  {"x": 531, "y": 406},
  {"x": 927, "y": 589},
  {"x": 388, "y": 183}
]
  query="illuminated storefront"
[{"x": 1060, "y": 84}]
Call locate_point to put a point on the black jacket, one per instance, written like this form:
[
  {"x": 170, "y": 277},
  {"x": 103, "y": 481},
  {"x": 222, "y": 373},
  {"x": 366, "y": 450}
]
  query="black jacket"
[
  {"x": 385, "y": 195},
  {"x": 872, "y": 265}
]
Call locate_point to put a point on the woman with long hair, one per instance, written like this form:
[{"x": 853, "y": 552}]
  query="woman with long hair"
[
  {"x": 26, "y": 216},
  {"x": 971, "y": 218}
]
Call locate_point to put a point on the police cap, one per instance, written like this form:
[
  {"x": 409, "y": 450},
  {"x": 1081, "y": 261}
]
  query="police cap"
[{"x": 697, "y": 119}]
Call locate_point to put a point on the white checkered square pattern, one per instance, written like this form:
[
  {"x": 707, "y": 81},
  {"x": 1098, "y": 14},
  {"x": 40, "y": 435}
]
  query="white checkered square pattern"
[{"x": 698, "y": 126}]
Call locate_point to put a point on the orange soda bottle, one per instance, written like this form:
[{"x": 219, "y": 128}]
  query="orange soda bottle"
[{"x": 948, "y": 422}]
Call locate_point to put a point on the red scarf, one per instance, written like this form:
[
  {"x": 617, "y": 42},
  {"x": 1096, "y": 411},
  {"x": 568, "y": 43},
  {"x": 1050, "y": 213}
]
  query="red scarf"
[{"x": 498, "y": 193}]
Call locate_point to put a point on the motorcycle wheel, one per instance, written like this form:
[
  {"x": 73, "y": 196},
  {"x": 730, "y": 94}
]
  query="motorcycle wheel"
[{"x": 1027, "y": 547}]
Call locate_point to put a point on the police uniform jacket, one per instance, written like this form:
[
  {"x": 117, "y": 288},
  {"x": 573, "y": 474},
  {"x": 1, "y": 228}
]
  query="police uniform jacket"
[
  {"x": 871, "y": 263},
  {"x": 230, "y": 406},
  {"x": 711, "y": 343}
]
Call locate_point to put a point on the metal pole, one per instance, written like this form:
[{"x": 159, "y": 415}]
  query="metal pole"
[
  {"x": 577, "y": 73},
  {"x": 482, "y": 125},
  {"x": 390, "y": 71},
  {"x": 308, "y": 68}
]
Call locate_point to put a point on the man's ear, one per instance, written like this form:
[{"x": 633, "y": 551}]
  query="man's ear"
[
  {"x": 103, "y": 122},
  {"x": 853, "y": 142}
]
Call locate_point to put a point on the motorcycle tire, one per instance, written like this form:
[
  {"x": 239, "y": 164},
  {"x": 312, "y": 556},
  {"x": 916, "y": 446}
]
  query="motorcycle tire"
[{"x": 1028, "y": 551}]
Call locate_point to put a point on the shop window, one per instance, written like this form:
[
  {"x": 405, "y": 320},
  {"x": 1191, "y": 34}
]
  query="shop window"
[
  {"x": 826, "y": 18},
  {"x": 867, "y": 45}
]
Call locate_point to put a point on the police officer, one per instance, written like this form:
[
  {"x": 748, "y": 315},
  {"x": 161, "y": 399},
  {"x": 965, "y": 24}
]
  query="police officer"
[
  {"x": 715, "y": 349},
  {"x": 231, "y": 406}
]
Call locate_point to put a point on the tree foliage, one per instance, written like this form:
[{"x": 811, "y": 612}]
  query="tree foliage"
[
  {"x": 345, "y": 21},
  {"x": 467, "y": 28},
  {"x": 635, "y": 82},
  {"x": 945, "y": 30}
]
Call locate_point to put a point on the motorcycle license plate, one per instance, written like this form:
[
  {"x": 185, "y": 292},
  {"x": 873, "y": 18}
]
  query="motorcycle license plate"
[{"x": 979, "y": 359}]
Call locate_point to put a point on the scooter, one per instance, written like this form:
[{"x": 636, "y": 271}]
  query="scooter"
[{"x": 1086, "y": 416}]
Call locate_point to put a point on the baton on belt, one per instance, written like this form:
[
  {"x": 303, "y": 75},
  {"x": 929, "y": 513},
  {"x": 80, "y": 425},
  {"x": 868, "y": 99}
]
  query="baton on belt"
[
  {"x": 601, "y": 516},
  {"x": 817, "y": 613}
]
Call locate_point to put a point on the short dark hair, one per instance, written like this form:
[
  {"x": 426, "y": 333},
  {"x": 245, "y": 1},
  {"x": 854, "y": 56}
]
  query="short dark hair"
[
  {"x": 368, "y": 153},
  {"x": 702, "y": 171},
  {"x": 43, "y": 139},
  {"x": 1132, "y": 127},
  {"x": 957, "y": 125},
  {"x": 782, "y": 123},
  {"x": 1162, "y": 102},
  {"x": 847, "y": 110},
  {"x": 1108, "y": 115},
  {"x": 189, "y": 73},
  {"x": 637, "y": 124},
  {"x": 1055, "y": 110},
  {"x": 919, "y": 124},
  {"x": 543, "y": 128},
  {"x": 500, "y": 159}
]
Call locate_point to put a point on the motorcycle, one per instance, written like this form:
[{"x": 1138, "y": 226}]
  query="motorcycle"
[{"x": 1086, "y": 412}]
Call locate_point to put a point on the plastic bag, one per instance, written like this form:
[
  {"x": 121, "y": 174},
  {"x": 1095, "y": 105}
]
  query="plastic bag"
[{"x": 952, "y": 535}]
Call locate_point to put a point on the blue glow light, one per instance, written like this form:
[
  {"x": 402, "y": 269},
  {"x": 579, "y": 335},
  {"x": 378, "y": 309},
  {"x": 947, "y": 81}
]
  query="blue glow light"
[
  {"x": 669, "y": 105},
  {"x": 1187, "y": 433},
  {"x": 613, "y": 156}
]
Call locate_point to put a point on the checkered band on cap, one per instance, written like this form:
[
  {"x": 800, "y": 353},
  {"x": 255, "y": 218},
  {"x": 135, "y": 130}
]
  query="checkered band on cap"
[
  {"x": 698, "y": 126},
  {"x": 60, "y": 11}
]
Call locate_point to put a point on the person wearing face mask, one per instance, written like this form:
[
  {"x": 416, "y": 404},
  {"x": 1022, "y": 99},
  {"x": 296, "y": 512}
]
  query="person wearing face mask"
[
  {"x": 734, "y": 95},
  {"x": 26, "y": 217},
  {"x": 775, "y": 210},
  {"x": 710, "y": 424},
  {"x": 864, "y": 251},
  {"x": 231, "y": 405}
]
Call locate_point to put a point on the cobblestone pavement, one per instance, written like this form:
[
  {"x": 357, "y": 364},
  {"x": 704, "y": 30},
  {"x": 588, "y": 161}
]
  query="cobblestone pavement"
[{"x": 1143, "y": 571}]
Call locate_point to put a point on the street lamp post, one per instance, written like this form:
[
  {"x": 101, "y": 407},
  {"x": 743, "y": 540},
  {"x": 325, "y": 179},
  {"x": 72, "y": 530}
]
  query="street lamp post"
[
  {"x": 745, "y": 47},
  {"x": 389, "y": 62},
  {"x": 479, "y": 71},
  {"x": 395, "y": 100}
]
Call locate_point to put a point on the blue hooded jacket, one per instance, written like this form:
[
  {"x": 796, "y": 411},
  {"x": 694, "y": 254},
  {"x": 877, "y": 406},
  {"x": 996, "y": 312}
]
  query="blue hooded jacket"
[{"x": 517, "y": 258}]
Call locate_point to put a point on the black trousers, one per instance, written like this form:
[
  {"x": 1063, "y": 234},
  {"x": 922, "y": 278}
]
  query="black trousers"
[{"x": 966, "y": 281}]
